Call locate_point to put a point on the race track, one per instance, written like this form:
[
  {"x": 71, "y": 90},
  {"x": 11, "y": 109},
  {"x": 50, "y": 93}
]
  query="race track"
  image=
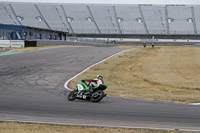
[{"x": 31, "y": 90}]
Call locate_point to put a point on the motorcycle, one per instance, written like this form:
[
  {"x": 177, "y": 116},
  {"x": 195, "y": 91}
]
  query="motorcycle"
[{"x": 95, "y": 94}]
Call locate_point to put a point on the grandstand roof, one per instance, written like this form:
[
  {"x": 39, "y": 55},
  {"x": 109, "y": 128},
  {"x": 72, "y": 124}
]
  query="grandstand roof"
[{"x": 111, "y": 1}]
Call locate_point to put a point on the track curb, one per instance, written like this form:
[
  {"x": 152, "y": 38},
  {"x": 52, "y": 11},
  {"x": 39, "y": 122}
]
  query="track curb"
[{"x": 66, "y": 85}]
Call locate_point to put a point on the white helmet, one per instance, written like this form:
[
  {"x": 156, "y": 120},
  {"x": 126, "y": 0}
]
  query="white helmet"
[{"x": 99, "y": 77}]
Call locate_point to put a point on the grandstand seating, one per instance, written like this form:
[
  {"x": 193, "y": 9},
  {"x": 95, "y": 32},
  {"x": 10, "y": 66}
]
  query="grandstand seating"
[
  {"x": 181, "y": 16},
  {"x": 5, "y": 17},
  {"x": 129, "y": 24},
  {"x": 52, "y": 17},
  {"x": 197, "y": 18},
  {"x": 29, "y": 14},
  {"x": 154, "y": 19},
  {"x": 104, "y": 19},
  {"x": 81, "y": 19}
]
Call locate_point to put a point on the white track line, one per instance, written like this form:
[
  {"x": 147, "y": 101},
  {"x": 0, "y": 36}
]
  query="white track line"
[
  {"x": 67, "y": 82},
  {"x": 195, "y": 104}
]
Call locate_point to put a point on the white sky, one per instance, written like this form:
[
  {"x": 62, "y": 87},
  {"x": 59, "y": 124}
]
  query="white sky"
[{"x": 112, "y": 1}]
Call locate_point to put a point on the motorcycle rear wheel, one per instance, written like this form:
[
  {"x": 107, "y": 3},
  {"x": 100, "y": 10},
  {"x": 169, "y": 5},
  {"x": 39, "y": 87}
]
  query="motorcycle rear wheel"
[
  {"x": 97, "y": 96},
  {"x": 72, "y": 95}
]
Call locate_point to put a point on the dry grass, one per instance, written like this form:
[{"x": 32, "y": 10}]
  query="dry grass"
[
  {"x": 163, "y": 73},
  {"x": 11, "y": 127}
]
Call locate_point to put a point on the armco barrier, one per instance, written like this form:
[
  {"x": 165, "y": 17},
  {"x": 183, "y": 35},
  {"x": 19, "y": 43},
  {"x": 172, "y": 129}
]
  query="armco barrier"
[
  {"x": 35, "y": 43},
  {"x": 54, "y": 42},
  {"x": 17, "y": 43},
  {"x": 12, "y": 43},
  {"x": 5, "y": 43}
]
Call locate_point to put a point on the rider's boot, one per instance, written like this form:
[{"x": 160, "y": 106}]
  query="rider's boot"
[
  {"x": 80, "y": 93},
  {"x": 91, "y": 89}
]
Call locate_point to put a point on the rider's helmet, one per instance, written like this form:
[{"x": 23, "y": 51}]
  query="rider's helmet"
[{"x": 99, "y": 77}]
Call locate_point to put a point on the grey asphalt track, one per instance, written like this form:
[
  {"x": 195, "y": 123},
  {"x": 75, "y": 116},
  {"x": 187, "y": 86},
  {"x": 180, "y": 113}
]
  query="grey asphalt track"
[{"x": 31, "y": 90}]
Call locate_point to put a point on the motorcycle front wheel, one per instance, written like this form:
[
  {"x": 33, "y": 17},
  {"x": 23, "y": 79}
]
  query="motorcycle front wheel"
[
  {"x": 97, "y": 96},
  {"x": 72, "y": 95}
]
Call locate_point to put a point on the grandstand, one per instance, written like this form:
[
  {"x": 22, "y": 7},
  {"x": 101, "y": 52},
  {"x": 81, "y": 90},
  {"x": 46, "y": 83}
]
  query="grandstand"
[{"x": 55, "y": 21}]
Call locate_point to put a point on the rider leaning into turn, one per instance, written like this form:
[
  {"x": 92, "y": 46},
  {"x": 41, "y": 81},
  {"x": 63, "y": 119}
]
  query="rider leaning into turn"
[
  {"x": 91, "y": 83},
  {"x": 96, "y": 82}
]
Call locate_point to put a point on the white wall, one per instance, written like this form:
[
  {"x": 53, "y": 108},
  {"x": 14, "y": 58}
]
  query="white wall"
[
  {"x": 12, "y": 43},
  {"x": 4, "y": 43},
  {"x": 17, "y": 43}
]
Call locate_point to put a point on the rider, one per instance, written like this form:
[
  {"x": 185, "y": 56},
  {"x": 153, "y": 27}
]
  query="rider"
[
  {"x": 96, "y": 82},
  {"x": 91, "y": 84}
]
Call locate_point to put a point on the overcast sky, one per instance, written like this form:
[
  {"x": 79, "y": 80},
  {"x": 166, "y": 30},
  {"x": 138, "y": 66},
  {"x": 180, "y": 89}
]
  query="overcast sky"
[{"x": 112, "y": 1}]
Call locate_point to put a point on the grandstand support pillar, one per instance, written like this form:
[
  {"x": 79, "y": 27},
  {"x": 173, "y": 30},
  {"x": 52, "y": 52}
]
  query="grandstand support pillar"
[
  {"x": 144, "y": 22},
  {"x": 93, "y": 19},
  {"x": 61, "y": 19},
  {"x": 115, "y": 13},
  {"x": 166, "y": 17},
  {"x": 42, "y": 16},
  {"x": 71, "y": 29},
  {"x": 194, "y": 20},
  {"x": 13, "y": 11}
]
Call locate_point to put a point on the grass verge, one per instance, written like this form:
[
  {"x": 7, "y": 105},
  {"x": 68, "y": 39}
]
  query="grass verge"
[
  {"x": 13, "y": 127},
  {"x": 162, "y": 74}
]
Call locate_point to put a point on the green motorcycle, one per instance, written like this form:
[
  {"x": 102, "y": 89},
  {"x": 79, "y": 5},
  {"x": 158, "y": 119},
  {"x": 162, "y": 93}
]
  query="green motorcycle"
[{"x": 94, "y": 94}]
